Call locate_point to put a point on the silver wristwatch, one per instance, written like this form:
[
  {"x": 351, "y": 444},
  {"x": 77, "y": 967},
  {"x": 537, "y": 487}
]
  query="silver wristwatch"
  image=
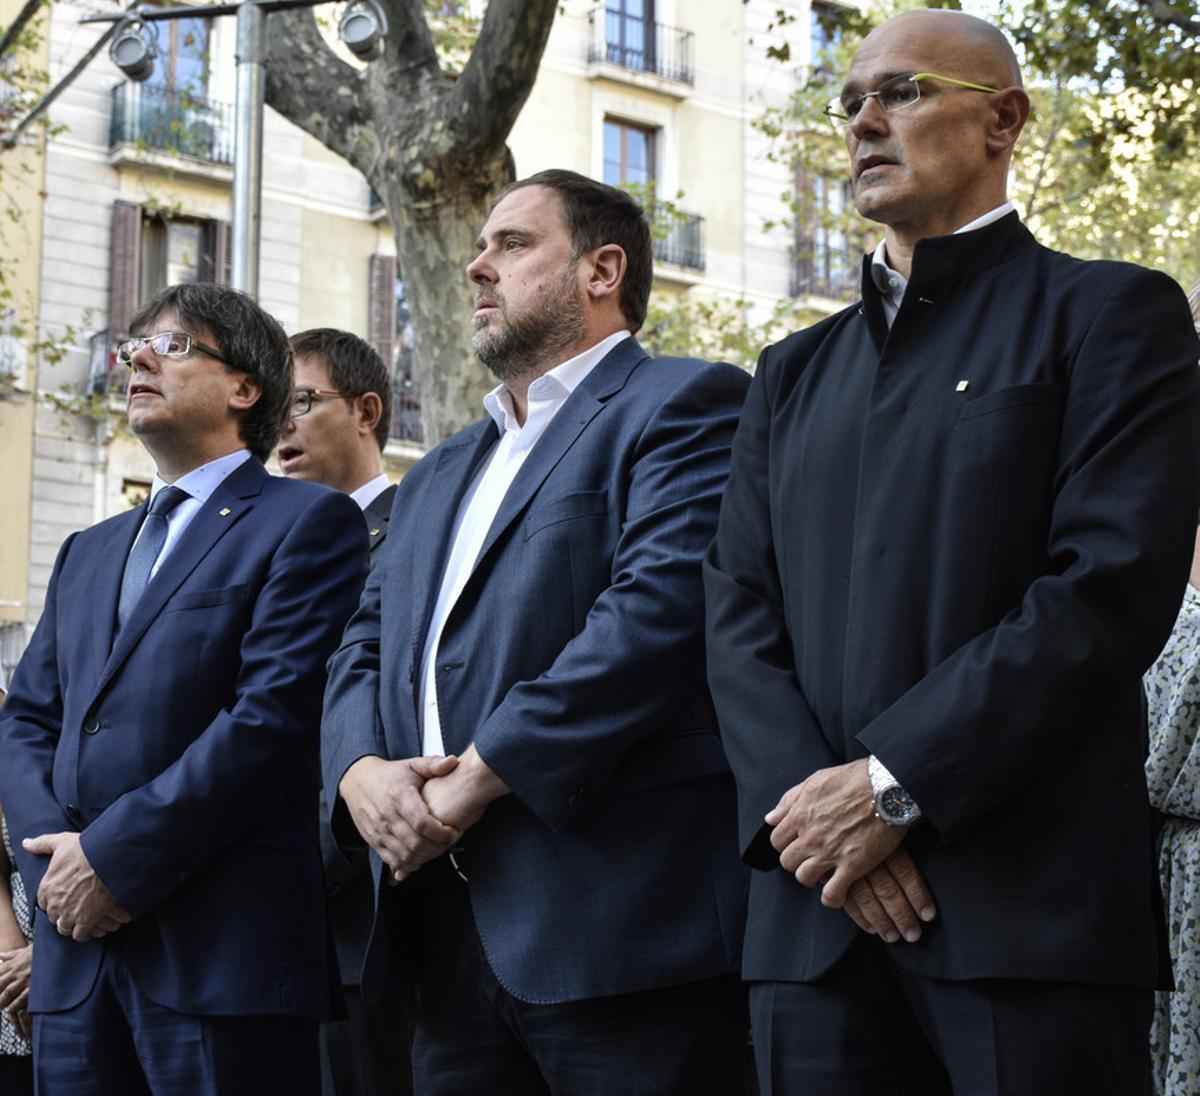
[{"x": 893, "y": 804}]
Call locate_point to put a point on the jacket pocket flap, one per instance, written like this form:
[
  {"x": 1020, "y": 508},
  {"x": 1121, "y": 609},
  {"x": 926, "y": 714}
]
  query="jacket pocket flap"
[
  {"x": 204, "y": 599},
  {"x": 564, "y": 508},
  {"x": 1022, "y": 395}
]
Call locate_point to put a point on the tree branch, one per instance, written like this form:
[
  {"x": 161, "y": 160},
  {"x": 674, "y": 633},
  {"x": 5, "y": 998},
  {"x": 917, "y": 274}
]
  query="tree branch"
[
  {"x": 316, "y": 90},
  {"x": 14, "y": 28},
  {"x": 1164, "y": 13},
  {"x": 409, "y": 45},
  {"x": 486, "y": 100},
  {"x": 1047, "y": 145}
]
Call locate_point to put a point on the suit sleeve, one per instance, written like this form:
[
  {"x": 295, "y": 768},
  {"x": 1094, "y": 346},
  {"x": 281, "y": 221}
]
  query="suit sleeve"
[
  {"x": 556, "y": 739},
  {"x": 986, "y": 721},
  {"x": 350, "y": 727},
  {"x": 256, "y": 749},
  {"x": 770, "y": 734},
  {"x": 30, "y": 726}
]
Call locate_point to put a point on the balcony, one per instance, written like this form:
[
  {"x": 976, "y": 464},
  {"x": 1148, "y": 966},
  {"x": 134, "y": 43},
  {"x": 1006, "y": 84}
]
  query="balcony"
[
  {"x": 824, "y": 271},
  {"x": 179, "y": 124},
  {"x": 679, "y": 240},
  {"x": 654, "y": 55}
]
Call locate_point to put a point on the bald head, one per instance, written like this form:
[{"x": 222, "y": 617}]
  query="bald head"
[
  {"x": 968, "y": 43},
  {"x": 930, "y": 162}
]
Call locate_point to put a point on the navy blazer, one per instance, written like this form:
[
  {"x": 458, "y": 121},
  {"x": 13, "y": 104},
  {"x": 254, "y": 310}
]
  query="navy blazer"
[
  {"x": 348, "y": 877},
  {"x": 958, "y": 544},
  {"x": 185, "y": 748},
  {"x": 574, "y": 661}
]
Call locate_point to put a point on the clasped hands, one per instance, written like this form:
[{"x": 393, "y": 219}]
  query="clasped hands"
[
  {"x": 412, "y": 810},
  {"x": 827, "y": 834},
  {"x": 72, "y": 895}
]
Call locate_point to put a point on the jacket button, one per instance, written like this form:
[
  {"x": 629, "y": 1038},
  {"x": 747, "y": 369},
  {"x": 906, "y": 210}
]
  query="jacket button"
[
  {"x": 73, "y": 813},
  {"x": 91, "y": 726}
]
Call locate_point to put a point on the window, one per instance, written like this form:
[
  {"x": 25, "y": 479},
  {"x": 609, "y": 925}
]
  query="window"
[
  {"x": 180, "y": 251},
  {"x": 629, "y": 33},
  {"x": 827, "y": 251},
  {"x": 182, "y": 63},
  {"x": 825, "y": 33},
  {"x": 151, "y": 251},
  {"x": 406, "y": 403},
  {"x": 391, "y": 333},
  {"x": 628, "y": 153}
]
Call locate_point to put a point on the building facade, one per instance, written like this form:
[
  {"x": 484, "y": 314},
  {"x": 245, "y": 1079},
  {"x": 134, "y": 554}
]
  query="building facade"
[{"x": 136, "y": 181}]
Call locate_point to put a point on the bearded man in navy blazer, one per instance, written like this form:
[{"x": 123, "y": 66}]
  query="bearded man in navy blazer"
[
  {"x": 517, "y": 721},
  {"x": 160, "y": 737}
]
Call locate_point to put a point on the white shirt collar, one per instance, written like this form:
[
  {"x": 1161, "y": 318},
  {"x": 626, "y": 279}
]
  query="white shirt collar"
[
  {"x": 371, "y": 490},
  {"x": 201, "y": 482},
  {"x": 554, "y": 385},
  {"x": 892, "y": 284}
]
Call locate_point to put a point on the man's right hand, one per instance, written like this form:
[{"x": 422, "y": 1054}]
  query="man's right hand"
[
  {"x": 892, "y": 900},
  {"x": 385, "y": 804}
]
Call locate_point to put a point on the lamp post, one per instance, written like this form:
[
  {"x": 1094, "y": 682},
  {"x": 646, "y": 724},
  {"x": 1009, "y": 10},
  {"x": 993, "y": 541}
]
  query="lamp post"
[{"x": 363, "y": 28}]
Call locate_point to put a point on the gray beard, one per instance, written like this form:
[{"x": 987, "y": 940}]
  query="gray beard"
[{"x": 538, "y": 340}]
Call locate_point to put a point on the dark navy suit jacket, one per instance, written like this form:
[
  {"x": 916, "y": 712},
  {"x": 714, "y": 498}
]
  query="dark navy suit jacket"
[
  {"x": 348, "y": 877},
  {"x": 957, "y": 544},
  {"x": 574, "y": 661},
  {"x": 185, "y": 748}
]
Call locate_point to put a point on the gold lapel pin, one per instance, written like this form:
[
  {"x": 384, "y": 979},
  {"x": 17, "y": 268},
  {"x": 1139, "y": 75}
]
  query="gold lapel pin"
[
  {"x": 224, "y": 511},
  {"x": 374, "y": 532},
  {"x": 961, "y": 386}
]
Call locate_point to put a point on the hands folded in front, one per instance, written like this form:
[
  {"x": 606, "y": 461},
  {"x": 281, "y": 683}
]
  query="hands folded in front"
[
  {"x": 73, "y": 896},
  {"x": 411, "y": 811},
  {"x": 827, "y": 834}
]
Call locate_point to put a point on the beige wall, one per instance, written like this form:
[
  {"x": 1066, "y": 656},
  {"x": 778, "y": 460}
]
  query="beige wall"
[
  {"x": 20, "y": 239},
  {"x": 334, "y": 282}
]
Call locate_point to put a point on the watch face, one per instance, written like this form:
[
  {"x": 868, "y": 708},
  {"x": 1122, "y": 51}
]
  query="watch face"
[{"x": 896, "y": 806}]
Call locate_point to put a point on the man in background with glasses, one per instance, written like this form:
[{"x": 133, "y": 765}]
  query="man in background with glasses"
[
  {"x": 160, "y": 737},
  {"x": 338, "y": 426},
  {"x": 955, "y": 535}
]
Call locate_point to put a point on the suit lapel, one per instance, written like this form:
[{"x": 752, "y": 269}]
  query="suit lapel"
[
  {"x": 104, "y": 590},
  {"x": 377, "y": 516},
  {"x": 456, "y": 467},
  {"x": 584, "y": 404},
  {"x": 233, "y": 497}
]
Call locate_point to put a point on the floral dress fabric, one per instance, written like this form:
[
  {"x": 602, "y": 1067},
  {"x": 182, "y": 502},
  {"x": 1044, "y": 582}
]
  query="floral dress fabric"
[
  {"x": 11, "y": 1043},
  {"x": 1173, "y": 778}
]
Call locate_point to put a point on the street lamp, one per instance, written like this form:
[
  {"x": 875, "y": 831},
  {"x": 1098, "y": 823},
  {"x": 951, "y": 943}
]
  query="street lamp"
[
  {"x": 134, "y": 49},
  {"x": 363, "y": 27}
]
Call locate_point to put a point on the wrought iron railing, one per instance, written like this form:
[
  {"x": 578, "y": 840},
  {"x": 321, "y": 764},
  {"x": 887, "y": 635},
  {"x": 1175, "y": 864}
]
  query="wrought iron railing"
[
  {"x": 640, "y": 44},
  {"x": 679, "y": 240},
  {"x": 823, "y": 271},
  {"x": 172, "y": 120}
]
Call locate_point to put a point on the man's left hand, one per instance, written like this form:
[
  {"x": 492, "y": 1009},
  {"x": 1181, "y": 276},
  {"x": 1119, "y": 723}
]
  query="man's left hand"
[
  {"x": 73, "y": 896},
  {"x": 826, "y": 831}
]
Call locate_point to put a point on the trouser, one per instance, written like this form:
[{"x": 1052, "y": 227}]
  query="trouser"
[{"x": 871, "y": 1027}]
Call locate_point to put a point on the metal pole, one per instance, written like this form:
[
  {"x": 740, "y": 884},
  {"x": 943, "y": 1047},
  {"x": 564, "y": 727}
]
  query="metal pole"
[{"x": 251, "y": 57}]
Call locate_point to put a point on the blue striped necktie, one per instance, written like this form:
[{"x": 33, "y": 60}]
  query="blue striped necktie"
[{"x": 146, "y": 550}]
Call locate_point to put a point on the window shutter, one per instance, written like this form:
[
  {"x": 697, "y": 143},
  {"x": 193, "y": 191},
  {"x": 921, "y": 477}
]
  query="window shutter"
[
  {"x": 383, "y": 308},
  {"x": 222, "y": 252},
  {"x": 126, "y": 264}
]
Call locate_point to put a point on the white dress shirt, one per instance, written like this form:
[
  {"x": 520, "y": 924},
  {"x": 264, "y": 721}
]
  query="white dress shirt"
[
  {"x": 893, "y": 284},
  {"x": 198, "y": 484},
  {"x": 482, "y": 500},
  {"x": 371, "y": 490}
]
